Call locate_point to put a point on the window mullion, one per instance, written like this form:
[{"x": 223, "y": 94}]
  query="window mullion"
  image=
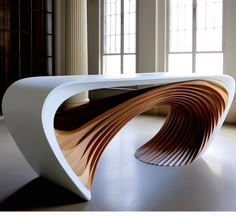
[
  {"x": 194, "y": 36},
  {"x": 167, "y": 32},
  {"x": 122, "y": 38},
  {"x": 102, "y": 35}
]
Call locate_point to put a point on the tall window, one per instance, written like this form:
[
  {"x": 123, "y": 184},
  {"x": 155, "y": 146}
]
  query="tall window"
[
  {"x": 118, "y": 37},
  {"x": 195, "y": 36}
]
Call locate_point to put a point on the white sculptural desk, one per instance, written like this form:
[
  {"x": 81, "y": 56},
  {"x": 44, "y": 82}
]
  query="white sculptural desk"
[{"x": 65, "y": 147}]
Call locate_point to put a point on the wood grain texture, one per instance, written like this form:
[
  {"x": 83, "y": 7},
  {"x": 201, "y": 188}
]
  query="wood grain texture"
[{"x": 195, "y": 108}]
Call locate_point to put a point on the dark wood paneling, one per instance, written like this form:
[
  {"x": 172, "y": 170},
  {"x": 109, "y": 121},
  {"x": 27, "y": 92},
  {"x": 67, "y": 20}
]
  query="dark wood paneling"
[{"x": 26, "y": 40}]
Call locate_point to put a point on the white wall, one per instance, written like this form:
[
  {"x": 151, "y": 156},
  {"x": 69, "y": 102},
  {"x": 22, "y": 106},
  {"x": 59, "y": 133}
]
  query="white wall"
[
  {"x": 161, "y": 35},
  {"x": 230, "y": 48},
  {"x": 151, "y": 36},
  {"x": 230, "y": 38},
  {"x": 147, "y": 36}
]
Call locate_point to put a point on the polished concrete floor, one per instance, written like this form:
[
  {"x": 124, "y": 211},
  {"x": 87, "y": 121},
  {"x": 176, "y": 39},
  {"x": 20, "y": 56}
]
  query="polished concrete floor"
[{"x": 122, "y": 183}]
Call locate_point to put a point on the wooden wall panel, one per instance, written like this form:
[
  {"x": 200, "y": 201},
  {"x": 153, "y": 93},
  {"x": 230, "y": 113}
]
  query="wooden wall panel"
[{"x": 26, "y": 40}]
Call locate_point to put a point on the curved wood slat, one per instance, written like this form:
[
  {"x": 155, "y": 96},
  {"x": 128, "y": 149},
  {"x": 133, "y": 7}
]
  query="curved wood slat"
[{"x": 196, "y": 107}]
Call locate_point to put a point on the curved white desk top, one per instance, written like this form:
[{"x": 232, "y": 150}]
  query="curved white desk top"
[{"x": 29, "y": 106}]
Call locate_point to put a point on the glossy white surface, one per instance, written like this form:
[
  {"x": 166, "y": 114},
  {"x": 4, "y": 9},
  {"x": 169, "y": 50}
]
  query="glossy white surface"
[{"x": 29, "y": 106}]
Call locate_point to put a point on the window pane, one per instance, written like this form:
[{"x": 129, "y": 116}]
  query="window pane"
[
  {"x": 112, "y": 26},
  {"x": 49, "y": 45},
  {"x": 129, "y": 26},
  {"x": 210, "y": 63},
  {"x": 49, "y": 23},
  {"x": 129, "y": 64},
  {"x": 49, "y": 5},
  {"x": 111, "y": 64},
  {"x": 180, "y": 63},
  {"x": 50, "y": 66},
  {"x": 129, "y": 43},
  {"x": 119, "y": 39},
  {"x": 180, "y": 29},
  {"x": 129, "y": 6},
  {"x": 209, "y": 25}
]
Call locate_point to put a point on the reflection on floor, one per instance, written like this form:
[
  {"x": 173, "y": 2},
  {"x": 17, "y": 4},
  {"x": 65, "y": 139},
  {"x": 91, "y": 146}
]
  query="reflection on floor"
[{"x": 124, "y": 183}]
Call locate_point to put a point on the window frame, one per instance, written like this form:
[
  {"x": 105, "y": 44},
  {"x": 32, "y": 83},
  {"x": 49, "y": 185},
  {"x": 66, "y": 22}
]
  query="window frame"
[
  {"x": 122, "y": 53},
  {"x": 194, "y": 36}
]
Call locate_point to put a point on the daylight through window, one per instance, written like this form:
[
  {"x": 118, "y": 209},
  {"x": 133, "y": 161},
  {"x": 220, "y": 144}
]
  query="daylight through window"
[
  {"x": 118, "y": 37},
  {"x": 195, "y": 36}
]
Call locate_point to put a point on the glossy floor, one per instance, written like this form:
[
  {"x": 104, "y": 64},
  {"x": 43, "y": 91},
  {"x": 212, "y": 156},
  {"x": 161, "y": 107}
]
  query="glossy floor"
[{"x": 124, "y": 183}]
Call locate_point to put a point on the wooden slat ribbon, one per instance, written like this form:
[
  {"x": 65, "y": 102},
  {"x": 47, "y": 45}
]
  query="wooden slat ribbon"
[{"x": 195, "y": 108}]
